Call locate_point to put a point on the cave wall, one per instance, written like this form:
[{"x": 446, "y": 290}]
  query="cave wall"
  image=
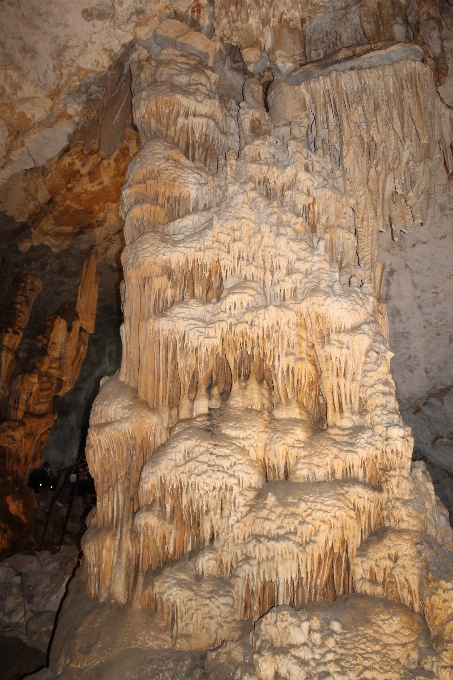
[
  {"x": 265, "y": 99},
  {"x": 418, "y": 293},
  {"x": 53, "y": 218}
]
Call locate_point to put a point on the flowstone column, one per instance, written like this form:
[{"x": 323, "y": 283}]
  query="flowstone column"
[{"x": 250, "y": 453}]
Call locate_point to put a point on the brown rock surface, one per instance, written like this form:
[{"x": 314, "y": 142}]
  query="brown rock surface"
[{"x": 31, "y": 588}]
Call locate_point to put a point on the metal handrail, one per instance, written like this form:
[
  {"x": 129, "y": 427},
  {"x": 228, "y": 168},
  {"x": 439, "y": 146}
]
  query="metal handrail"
[{"x": 64, "y": 475}]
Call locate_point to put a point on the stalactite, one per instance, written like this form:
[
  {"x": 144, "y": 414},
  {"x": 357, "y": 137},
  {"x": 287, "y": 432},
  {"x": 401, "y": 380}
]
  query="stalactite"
[
  {"x": 27, "y": 288},
  {"x": 33, "y": 373},
  {"x": 57, "y": 357},
  {"x": 297, "y": 543}
]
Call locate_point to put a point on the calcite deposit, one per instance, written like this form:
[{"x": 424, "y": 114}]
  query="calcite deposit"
[
  {"x": 26, "y": 398},
  {"x": 250, "y": 454},
  {"x": 255, "y": 488}
]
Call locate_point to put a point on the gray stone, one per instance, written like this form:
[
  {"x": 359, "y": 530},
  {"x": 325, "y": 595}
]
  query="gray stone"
[
  {"x": 6, "y": 574},
  {"x": 41, "y": 624},
  {"x": 177, "y": 35},
  {"x": 30, "y": 599},
  {"x": 22, "y": 563},
  {"x": 356, "y": 58}
]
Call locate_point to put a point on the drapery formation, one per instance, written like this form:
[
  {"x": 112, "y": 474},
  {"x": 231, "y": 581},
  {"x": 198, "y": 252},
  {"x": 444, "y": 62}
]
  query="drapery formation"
[{"x": 250, "y": 452}]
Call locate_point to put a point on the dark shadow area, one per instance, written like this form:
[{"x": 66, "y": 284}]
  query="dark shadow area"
[
  {"x": 17, "y": 659},
  {"x": 68, "y": 435}
]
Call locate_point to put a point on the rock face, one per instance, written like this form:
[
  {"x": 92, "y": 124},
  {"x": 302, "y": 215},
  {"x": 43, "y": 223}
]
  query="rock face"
[
  {"x": 250, "y": 460},
  {"x": 46, "y": 83},
  {"x": 26, "y": 398},
  {"x": 31, "y": 589}
]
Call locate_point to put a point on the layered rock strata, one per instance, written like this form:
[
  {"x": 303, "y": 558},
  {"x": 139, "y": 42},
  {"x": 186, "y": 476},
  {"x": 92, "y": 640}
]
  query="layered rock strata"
[{"x": 250, "y": 453}]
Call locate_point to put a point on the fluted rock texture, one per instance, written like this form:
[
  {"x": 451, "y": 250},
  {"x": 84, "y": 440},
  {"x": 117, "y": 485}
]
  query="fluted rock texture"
[
  {"x": 250, "y": 456},
  {"x": 66, "y": 198}
]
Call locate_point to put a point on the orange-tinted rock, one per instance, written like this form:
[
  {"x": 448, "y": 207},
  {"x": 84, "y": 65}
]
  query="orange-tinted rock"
[
  {"x": 84, "y": 190},
  {"x": 26, "y": 403},
  {"x": 16, "y": 315}
]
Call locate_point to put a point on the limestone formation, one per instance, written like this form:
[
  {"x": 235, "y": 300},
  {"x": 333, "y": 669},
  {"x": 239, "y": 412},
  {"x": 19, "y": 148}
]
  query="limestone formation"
[
  {"x": 70, "y": 202},
  {"x": 27, "y": 397},
  {"x": 256, "y": 495},
  {"x": 250, "y": 453},
  {"x": 46, "y": 80},
  {"x": 353, "y": 637}
]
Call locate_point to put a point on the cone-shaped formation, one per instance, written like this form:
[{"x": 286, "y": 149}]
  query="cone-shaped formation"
[{"x": 250, "y": 453}]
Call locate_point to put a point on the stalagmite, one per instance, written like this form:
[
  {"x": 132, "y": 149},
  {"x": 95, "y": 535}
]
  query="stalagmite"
[{"x": 250, "y": 454}]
